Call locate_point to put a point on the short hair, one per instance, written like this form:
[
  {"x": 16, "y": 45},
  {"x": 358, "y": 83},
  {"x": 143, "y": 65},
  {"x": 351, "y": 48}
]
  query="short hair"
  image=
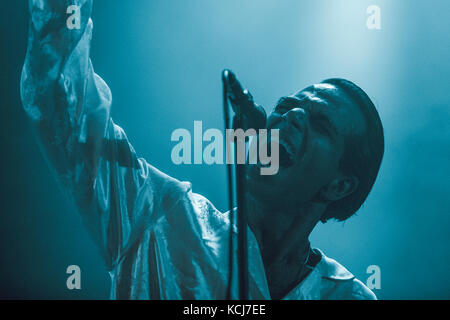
[{"x": 362, "y": 154}]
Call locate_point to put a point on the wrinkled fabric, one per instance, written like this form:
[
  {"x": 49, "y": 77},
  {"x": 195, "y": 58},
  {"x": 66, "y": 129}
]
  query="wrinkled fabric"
[{"x": 159, "y": 240}]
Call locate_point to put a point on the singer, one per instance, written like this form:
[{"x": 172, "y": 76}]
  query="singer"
[{"x": 159, "y": 239}]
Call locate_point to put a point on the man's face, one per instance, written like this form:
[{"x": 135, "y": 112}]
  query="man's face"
[{"x": 313, "y": 127}]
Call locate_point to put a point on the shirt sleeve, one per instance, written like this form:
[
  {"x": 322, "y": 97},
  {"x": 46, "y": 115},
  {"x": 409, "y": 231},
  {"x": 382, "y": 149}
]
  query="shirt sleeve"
[{"x": 117, "y": 193}]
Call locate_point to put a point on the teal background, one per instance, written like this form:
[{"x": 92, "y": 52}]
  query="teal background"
[{"x": 162, "y": 60}]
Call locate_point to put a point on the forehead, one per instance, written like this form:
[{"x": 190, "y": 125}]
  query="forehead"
[{"x": 330, "y": 100}]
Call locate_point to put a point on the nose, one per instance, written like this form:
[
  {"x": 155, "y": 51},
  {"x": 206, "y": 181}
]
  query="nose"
[{"x": 297, "y": 117}]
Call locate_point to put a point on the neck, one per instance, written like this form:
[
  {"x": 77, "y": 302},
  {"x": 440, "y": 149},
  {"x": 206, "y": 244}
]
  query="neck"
[
  {"x": 283, "y": 240},
  {"x": 282, "y": 234}
]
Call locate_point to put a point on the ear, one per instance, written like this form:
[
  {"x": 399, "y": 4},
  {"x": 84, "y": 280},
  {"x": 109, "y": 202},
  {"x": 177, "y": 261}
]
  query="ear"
[{"x": 340, "y": 188}]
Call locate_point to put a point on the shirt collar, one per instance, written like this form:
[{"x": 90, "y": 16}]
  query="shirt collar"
[
  {"x": 331, "y": 269},
  {"x": 311, "y": 287}
]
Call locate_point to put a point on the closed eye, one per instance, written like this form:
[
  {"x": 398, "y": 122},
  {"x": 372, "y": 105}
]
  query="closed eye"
[
  {"x": 323, "y": 124},
  {"x": 286, "y": 103},
  {"x": 282, "y": 109}
]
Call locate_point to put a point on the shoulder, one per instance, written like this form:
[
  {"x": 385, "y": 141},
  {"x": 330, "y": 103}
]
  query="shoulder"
[{"x": 340, "y": 284}]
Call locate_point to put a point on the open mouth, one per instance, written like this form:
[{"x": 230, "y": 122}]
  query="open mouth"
[{"x": 286, "y": 154}]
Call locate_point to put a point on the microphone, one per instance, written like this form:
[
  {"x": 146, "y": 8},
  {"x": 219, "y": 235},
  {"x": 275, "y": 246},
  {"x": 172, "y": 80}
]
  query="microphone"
[{"x": 250, "y": 114}]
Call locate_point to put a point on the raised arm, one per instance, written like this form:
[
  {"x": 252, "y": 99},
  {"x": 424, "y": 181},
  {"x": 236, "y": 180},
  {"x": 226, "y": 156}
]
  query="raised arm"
[{"x": 116, "y": 193}]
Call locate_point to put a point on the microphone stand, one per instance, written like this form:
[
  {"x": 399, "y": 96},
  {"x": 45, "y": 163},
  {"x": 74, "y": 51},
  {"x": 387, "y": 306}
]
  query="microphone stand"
[{"x": 242, "y": 245}]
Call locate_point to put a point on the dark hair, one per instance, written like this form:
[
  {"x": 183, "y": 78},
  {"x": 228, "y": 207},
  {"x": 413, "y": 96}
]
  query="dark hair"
[{"x": 362, "y": 154}]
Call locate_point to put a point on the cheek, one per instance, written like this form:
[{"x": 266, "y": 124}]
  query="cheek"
[
  {"x": 303, "y": 180},
  {"x": 321, "y": 161}
]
